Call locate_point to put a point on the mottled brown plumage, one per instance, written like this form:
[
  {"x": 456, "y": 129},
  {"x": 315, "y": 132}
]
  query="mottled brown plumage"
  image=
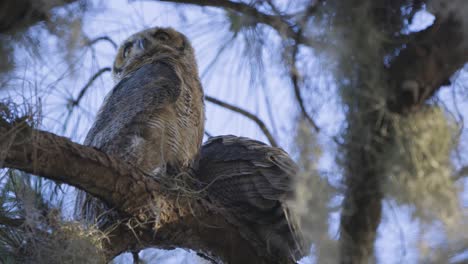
[
  {"x": 154, "y": 116},
  {"x": 249, "y": 182},
  {"x": 154, "y": 119}
]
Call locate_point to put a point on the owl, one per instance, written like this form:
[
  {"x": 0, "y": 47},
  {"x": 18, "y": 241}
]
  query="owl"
[
  {"x": 250, "y": 183},
  {"x": 153, "y": 118}
]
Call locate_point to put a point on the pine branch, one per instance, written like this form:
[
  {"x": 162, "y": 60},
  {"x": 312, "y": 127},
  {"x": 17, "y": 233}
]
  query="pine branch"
[
  {"x": 286, "y": 29},
  {"x": 102, "y": 38},
  {"x": 247, "y": 114},
  {"x": 150, "y": 215}
]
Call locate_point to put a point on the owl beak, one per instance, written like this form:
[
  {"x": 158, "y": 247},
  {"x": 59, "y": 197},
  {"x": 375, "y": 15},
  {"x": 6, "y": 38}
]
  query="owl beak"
[{"x": 141, "y": 43}]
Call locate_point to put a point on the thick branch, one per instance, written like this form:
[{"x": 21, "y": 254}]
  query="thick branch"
[
  {"x": 427, "y": 63},
  {"x": 247, "y": 114},
  {"x": 15, "y": 15},
  {"x": 151, "y": 215},
  {"x": 57, "y": 158},
  {"x": 430, "y": 58}
]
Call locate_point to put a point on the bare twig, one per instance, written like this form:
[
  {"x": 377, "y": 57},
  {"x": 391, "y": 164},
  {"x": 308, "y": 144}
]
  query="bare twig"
[
  {"x": 300, "y": 101},
  {"x": 102, "y": 38},
  {"x": 75, "y": 102},
  {"x": 88, "y": 84},
  {"x": 273, "y": 7},
  {"x": 247, "y": 114},
  {"x": 208, "y": 134},
  {"x": 294, "y": 76},
  {"x": 463, "y": 172}
]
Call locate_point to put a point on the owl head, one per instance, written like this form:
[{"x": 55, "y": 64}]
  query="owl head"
[{"x": 150, "y": 45}]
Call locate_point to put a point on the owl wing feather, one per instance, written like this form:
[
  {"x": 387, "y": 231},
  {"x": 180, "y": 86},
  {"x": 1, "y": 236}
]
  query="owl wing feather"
[
  {"x": 251, "y": 181},
  {"x": 149, "y": 88}
]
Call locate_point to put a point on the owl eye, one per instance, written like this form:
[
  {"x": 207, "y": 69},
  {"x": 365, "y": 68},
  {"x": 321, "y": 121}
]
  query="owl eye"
[
  {"x": 161, "y": 35},
  {"x": 127, "y": 49}
]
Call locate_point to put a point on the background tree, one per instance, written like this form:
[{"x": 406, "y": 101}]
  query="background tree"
[{"x": 379, "y": 88}]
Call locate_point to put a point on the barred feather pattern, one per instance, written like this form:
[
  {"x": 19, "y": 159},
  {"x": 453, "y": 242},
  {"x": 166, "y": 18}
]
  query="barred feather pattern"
[
  {"x": 249, "y": 182},
  {"x": 154, "y": 117}
]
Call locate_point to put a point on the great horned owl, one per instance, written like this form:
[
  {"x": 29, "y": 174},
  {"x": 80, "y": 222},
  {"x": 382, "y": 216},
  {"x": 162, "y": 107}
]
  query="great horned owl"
[
  {"x": 249, "y": 183},
  {"x": 154, "y": 116}
]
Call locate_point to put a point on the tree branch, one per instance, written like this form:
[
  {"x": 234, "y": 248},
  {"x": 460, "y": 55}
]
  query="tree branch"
[
  {"x": 272, "y": 20},
  {"x": 150, "y": 214},
  {"x": 463, "y": 172},
  {"x": 11, "y": 222},
  {"x": 88, "y": 84},
  {"x": 283, "y": 27},
  {"x": 72, "y": 103},
  {"x": 430, "y": 58},
  {"x": 102, "y": 38},
  {"x": 294, "y": 76},
  {"x": 57, "y": 158},
  {"x": 208, "y": 134},
  {"x": 247, "y": 114},
  {"x": 18, "y": 15}
]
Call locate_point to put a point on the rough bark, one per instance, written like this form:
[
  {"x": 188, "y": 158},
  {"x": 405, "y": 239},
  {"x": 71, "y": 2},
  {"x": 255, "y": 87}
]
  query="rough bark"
[
  {"x": 430, "y": 58},
  {"x": 150, "y": 215}
]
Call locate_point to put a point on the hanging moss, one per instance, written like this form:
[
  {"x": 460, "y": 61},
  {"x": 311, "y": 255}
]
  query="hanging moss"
[
  {"x": 312, "y": 195},
  {"x": 417, "y": 164}
]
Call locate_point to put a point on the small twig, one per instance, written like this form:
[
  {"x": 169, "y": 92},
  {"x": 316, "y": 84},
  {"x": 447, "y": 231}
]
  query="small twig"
[
  {"x": 247, "y": 114},
  {"x": 294, "y": 72},
  {"x": 136, "y": 257},
  {"x": 88, "y": 84},
  {"x": 103, "y": 38},
  {"x": 294, "y": 75},
  {"x": 309, "y": 11},
  {"x": 463, "y": 172},
  {"x": 208, "y": 134},
  {"x": 216, "y": 57},
  {"x": 76, "y": 102},
  {"x": 208, "y": 258},
  {"x": 273, "y": 7}
]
